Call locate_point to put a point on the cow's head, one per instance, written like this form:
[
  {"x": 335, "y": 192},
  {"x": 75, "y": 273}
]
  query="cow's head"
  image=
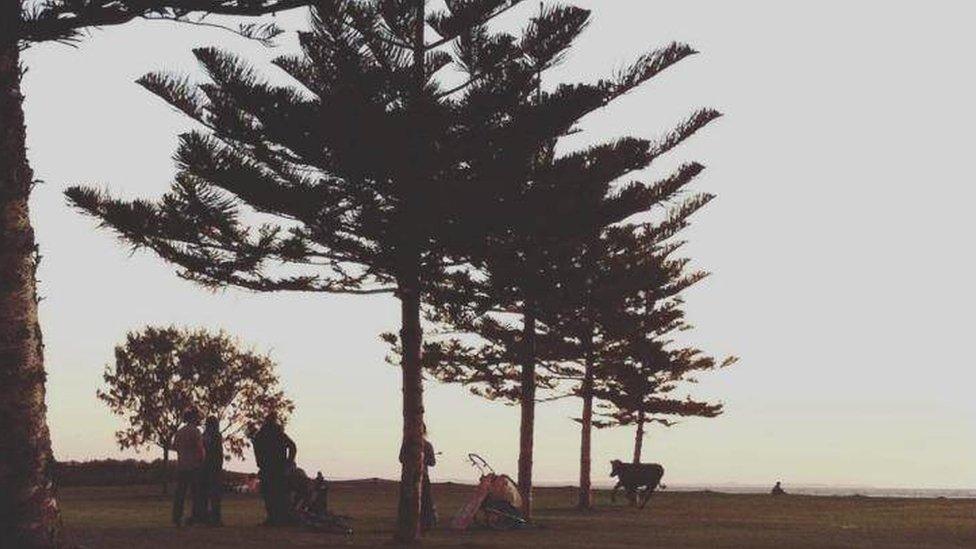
[{"x": 615, "y": 467}]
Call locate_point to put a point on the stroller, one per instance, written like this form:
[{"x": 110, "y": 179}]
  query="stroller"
[
  {"x": 310, "y": 505},
  {"x": 495, "y": 504}
]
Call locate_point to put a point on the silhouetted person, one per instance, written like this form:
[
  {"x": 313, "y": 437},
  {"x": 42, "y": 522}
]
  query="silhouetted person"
[
  {"x": 213, "y": 469},
  {"x": 428, "y": 511},
  {"x": 778, "y": 490},
  {"x": 190, "y": 455},
  {"x": 320, "y": 501},
  {"x": 275, "y": 455}
]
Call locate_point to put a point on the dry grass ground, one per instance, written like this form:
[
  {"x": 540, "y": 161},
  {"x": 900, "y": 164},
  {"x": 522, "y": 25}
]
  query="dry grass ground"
[{"x": 137, "y": 517}]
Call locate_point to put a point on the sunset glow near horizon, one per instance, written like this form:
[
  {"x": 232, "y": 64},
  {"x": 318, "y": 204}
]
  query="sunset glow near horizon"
[{"x": 840, "y": 246}]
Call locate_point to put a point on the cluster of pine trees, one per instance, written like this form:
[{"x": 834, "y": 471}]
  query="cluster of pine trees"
[{"x": 417, "y": 152}]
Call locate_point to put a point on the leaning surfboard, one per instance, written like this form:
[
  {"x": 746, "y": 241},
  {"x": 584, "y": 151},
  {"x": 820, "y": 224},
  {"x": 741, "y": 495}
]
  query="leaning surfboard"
[{"x": 465, "y": 515}]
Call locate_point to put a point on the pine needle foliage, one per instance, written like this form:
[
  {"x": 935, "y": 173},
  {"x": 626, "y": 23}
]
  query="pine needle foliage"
[
  {"x": 67, "y": 20},
  {"x": 640, "y": 368}
]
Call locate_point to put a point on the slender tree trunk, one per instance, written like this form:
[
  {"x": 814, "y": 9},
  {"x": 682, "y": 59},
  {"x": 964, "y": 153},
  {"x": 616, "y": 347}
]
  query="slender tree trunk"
[
  {"x": 639, "y": 437},
  {"x": 586, "y": 436},
  {"x": 29, "y": 515},
  {"x": 527, "y": 425},
  {"x": 165, "y": 472},
  {"x": 412, "y": 453}
]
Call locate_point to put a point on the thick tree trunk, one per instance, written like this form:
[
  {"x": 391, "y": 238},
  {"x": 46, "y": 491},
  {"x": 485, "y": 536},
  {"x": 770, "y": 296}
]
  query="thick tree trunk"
[
  {"x": 586, "y": 436},
  {"x": 29, "y": 515},
  {"x": 408, "y": 529},
  {"x": 639, "y": 437},
  {"x": 527, "y": 425},
  {"x": 412, "y": 454}
]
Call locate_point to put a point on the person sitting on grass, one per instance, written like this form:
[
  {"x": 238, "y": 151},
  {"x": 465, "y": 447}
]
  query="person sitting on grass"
[
  {"x": 190, "y": 454},
  {"x": 778, "y": 490}
]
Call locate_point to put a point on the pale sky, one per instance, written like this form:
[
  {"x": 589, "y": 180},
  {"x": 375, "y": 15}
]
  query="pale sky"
[{"x": 840, "y": 244}]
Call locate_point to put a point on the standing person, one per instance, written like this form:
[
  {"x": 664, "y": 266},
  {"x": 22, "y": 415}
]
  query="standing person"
[
  {"x": 428, "y": 511},
  {"x": 320, "y": 498},
  {"x": 190, "y": 455},
  {"x": 213, "y": 469},
  {"x": 274, "y": 453}
]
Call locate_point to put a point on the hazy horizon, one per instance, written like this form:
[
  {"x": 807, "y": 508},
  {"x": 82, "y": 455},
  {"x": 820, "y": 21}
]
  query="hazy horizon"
[{"x": 840, "y": 246}]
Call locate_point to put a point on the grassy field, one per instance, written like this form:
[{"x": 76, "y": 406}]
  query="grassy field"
[{"x": 137, "y": 517}]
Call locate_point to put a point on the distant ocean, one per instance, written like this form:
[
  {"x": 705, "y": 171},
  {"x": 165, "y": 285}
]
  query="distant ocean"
[
  {"x": 866, "y": 491},
  {"x": 800, "y": 490}
]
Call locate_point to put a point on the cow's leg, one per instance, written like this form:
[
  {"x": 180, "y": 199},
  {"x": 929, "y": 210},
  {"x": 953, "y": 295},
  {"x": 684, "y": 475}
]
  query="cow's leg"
[
  {"x": 628, "y": 492},
  {"x": 632, "y": 496},
  {"x": 647, "y": 495}
]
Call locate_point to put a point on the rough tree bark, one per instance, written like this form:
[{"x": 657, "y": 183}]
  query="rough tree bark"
[
  {"x": 29, "y": 515},
  {"x": 586, "y": 436},
  {"x": 639, "y": 437},
  {"x": 527, "y": 402},
  {"x": 411, "y": 475}
]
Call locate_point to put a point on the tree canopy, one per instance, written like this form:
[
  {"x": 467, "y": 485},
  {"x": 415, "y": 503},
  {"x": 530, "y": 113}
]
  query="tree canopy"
[
  {"x": 161, "y": 373},
  {"x": 641, "y": 365},
  {"x": 66, "y": 20}
]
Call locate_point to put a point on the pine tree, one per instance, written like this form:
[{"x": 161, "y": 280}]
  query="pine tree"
[
  {"x": 596, "y": 292},
  {"x": 28, "y": 503},
  {"x": 640, "y": 367},
  {"x": 532, "y": 246},
  {"x": 374, "y": 172},
  {"x": 640, "y": 392}
]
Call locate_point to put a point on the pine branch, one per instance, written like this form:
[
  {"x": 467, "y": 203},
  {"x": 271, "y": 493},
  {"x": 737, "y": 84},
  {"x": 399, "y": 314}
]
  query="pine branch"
[{"x": 60, "y": 20}]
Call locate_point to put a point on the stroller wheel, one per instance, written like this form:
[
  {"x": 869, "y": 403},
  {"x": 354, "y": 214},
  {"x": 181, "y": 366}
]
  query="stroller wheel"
[
  {"x": 500, "y": 520},
  {"x": 496, "y": 521}
]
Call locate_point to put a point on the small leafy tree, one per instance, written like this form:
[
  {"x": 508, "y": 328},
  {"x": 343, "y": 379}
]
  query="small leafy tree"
[{"x": 161, "y": 373}]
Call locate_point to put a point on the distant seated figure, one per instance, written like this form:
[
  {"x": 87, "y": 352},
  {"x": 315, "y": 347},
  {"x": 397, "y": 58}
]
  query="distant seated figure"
[
  {"x": 318, "y": 498},
  {"x": 778, "y": 490}
]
